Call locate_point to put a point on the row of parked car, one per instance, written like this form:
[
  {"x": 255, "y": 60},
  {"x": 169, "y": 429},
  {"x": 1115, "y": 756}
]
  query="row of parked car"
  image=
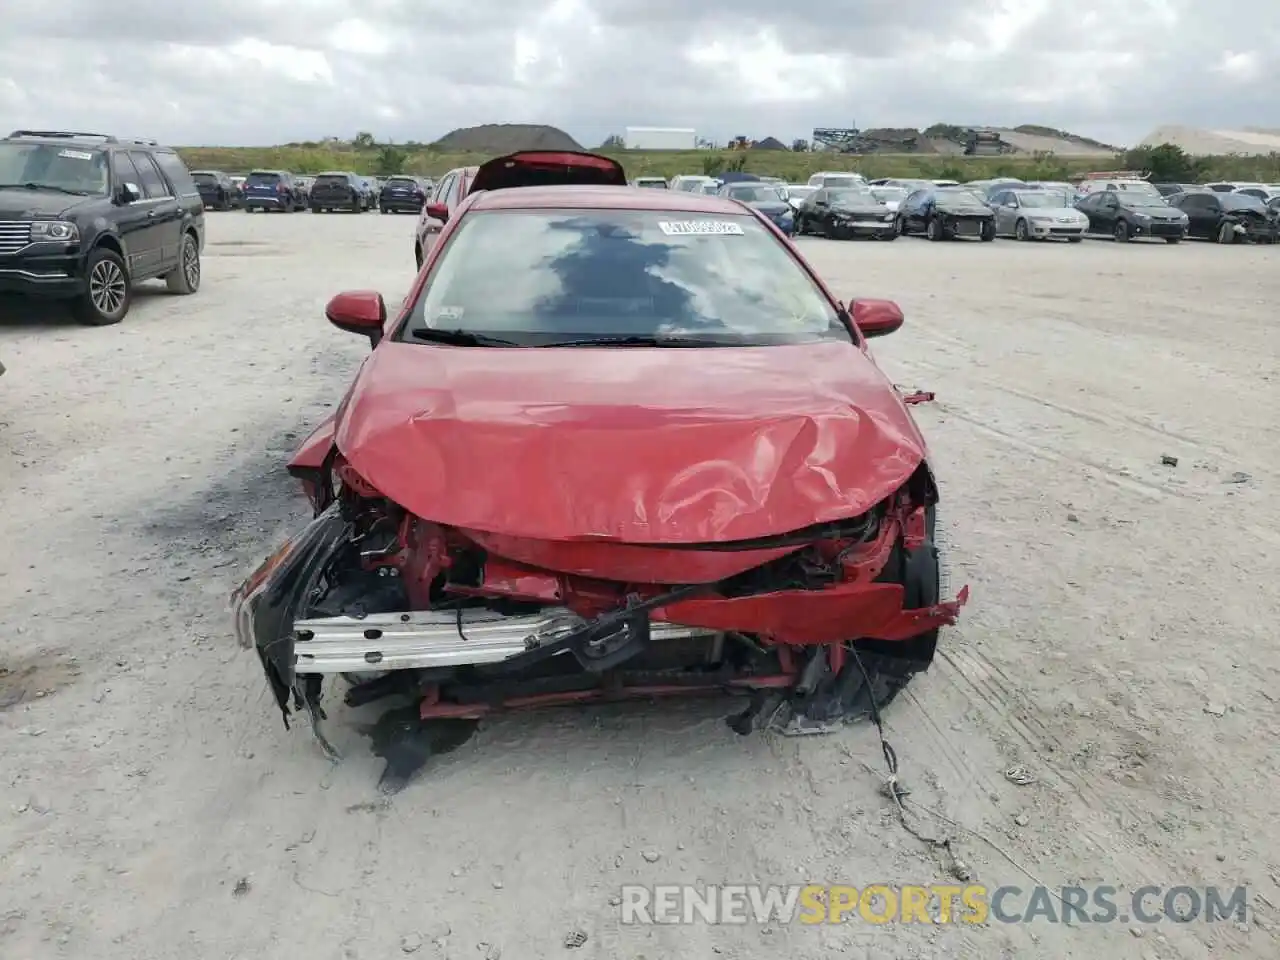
[
  {"x": 281, "y": 190},
  {"x": 1121, "y": 205}
]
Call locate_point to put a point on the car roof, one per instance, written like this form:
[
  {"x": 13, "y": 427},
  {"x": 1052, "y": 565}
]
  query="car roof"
[{"x": 585, "y": 197}]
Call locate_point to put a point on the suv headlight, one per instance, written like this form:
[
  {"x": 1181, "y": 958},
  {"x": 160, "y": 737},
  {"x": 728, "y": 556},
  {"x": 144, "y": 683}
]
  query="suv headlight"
[{"x": 57, "y": 231}]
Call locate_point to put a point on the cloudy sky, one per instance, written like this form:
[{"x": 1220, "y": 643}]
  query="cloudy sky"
[{"x": 266, "y": 71}]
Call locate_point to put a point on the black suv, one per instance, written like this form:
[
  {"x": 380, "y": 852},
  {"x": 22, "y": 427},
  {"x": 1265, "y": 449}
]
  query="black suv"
[
  {"x": 402, "y": 195},
  {"x": 216, "y": 189},
  {"x": 84, "y": 217},
  {"x": 338, "y": 191}
]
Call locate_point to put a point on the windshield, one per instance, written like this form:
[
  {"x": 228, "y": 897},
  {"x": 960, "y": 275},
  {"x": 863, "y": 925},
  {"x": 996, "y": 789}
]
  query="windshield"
[
  {"x": 851, "y": 195},
  {"x": 960, "y": 195},
  {"x": 1045, "y": 198},
  {"x": 889, "y": 194},
  {"x": 538, "y": 277},
  {"x": 652, "y": 184},
  {"x": 399, "y": 182},
  {"x": 53, "y": 167},
  {"x": 1140, "y": 191},
  {"x": 799, "y": 192},
  {"x": 1240, "y": 201},
  {"x": 842, "y": 181},
  {"x": 259, "y": 179},
  {"x": 690, "y": 185},
  {"x": 754, "y": 193},
  {"x": 204, "y": 178}
]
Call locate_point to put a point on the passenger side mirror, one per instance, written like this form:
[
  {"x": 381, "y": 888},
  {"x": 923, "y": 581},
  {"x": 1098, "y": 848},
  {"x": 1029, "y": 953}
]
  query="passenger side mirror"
[
  {"x": 359, "y": 311},
  {"x": 876, "y": 318},
  {"x": 438, "y": 211},
  {"x": 130, "y": 193}
]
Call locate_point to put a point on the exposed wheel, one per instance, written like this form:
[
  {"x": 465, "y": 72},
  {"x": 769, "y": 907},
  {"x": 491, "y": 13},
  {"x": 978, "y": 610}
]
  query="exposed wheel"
[
  {"x": 107, "y": 293},
  {"x": 988, "y": 232},
  {"x": 900, "y": 226},
  {"x": 1020, "y": 231},
  {"x": 934, "y": 230},
  {"x": 185, "y": 278},
  {"x": 1226, "y": 234},
  {"x": 887, "y": 236},
  {"x": 356, "y": 207},
  {"x": 1121, "y": 232},
  {"x": 417, "y": 255},
  {"x": 314, "y": 208},
  {"x": 1172, "y": 239}
]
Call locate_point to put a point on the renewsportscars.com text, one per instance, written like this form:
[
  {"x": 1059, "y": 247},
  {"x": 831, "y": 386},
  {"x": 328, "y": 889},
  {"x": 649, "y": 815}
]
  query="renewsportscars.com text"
[{"x": 930, "y": 904}]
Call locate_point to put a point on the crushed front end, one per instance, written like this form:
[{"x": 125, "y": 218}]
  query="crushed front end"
[{"x": 812, "y": 626}]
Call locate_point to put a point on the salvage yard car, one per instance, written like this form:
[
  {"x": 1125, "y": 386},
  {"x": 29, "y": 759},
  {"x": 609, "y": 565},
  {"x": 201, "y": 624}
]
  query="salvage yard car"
[
  {"x": 338, "y": 190},
  {"x": 1037, "y": 215},
  {"x": 1134, "y": 214},
  {"x": 269, "y": 190},
  {"x": 216, "y": 189},
  {"x": 946, "y": 213},
  {"x": 85, "y": 218},
  {"x": 566, "y": 475},
  {"x": 1226, "y": 217},
  {"x": 764, "y": 198},
  {"x": 405, "y": 194},
  {"x": 843, "y": 213}
]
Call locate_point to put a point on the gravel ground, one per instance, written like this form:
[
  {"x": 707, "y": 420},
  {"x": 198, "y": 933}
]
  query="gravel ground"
[{"x": 1117, "y": 651}]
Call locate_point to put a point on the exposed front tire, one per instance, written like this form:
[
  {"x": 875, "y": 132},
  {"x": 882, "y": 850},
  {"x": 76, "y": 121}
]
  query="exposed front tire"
[
  {"x": 1020, "y": 231},
  {"x": 934, "y": 230},
  {"x": 1226, "y": 234},
  {"x": 185, "y": 278},
  {"x": 1121, "y": 232},
  {"x": 108, "y": 291},
  {"x": 988, "y": 232}
]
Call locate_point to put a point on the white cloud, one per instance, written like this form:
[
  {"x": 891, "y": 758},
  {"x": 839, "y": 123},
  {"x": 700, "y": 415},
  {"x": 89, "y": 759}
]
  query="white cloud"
[{"x": 262, "y": 71}]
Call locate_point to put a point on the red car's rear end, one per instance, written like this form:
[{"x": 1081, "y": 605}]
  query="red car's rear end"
[{"x": 619, "y": 443}]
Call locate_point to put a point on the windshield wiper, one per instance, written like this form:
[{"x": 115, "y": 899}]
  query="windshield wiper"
[
  {"x": 460, "y": 338},
  {"x": 637, "y": 340},
  {"x": 32, "y": 185}
]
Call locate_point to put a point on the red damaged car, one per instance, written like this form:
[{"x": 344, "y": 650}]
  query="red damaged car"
[{"x": 615, "y": 443}]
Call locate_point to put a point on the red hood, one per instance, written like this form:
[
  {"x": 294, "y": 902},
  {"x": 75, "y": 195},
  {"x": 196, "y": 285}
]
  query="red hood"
[{"x": 638, "y": 445}]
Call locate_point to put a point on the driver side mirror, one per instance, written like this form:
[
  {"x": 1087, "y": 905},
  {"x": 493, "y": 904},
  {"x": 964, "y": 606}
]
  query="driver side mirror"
[
  {"x": 876, "y": 318},
  {"x": 438, "y": 211},
  {"x": 130, "y": 193},
  {"x": 359, "y": 311}
]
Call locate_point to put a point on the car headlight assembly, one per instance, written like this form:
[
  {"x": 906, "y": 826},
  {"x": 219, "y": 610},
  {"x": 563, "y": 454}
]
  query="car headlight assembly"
[{"x": 54, "y": 231}]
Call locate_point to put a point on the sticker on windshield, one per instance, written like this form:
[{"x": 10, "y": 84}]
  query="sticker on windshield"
[
  {"x": 449, "y": 313},
  {"x": 700, "y": 228},
  {"x": 76, "y": 155}
]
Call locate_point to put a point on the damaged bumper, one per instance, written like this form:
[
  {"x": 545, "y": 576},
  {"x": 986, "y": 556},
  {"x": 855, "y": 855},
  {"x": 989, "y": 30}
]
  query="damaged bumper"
[{"x": 273, "y": 613}]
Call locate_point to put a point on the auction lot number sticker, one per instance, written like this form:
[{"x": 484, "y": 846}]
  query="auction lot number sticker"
[{"x": 700, "y": 228}]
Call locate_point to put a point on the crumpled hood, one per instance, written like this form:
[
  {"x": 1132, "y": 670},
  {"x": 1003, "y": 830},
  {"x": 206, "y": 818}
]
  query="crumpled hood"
[
  {"x": 24, "y": 204},
  {"x": 638, "y": 445}
]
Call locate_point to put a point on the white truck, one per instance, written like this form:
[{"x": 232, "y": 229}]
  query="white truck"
[{"x": 660, "y": 138}]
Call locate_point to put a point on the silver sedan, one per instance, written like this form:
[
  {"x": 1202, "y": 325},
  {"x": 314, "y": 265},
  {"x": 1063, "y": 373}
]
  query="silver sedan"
[{"x": 1037, "y": 215}]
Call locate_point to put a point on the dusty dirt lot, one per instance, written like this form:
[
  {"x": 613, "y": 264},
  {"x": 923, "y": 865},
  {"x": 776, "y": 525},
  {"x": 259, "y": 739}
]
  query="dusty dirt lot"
[{"x": 1118, "y": 648}]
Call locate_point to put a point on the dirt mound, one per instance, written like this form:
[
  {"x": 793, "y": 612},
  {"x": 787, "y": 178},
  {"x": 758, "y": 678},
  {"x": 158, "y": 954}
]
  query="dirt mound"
[
  {"x": 499, "y": 138},
  {"x": 769, "y": 143}
]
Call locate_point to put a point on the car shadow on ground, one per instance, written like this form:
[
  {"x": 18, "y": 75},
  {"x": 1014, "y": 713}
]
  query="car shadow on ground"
[{"x": 23, "y": 313}]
